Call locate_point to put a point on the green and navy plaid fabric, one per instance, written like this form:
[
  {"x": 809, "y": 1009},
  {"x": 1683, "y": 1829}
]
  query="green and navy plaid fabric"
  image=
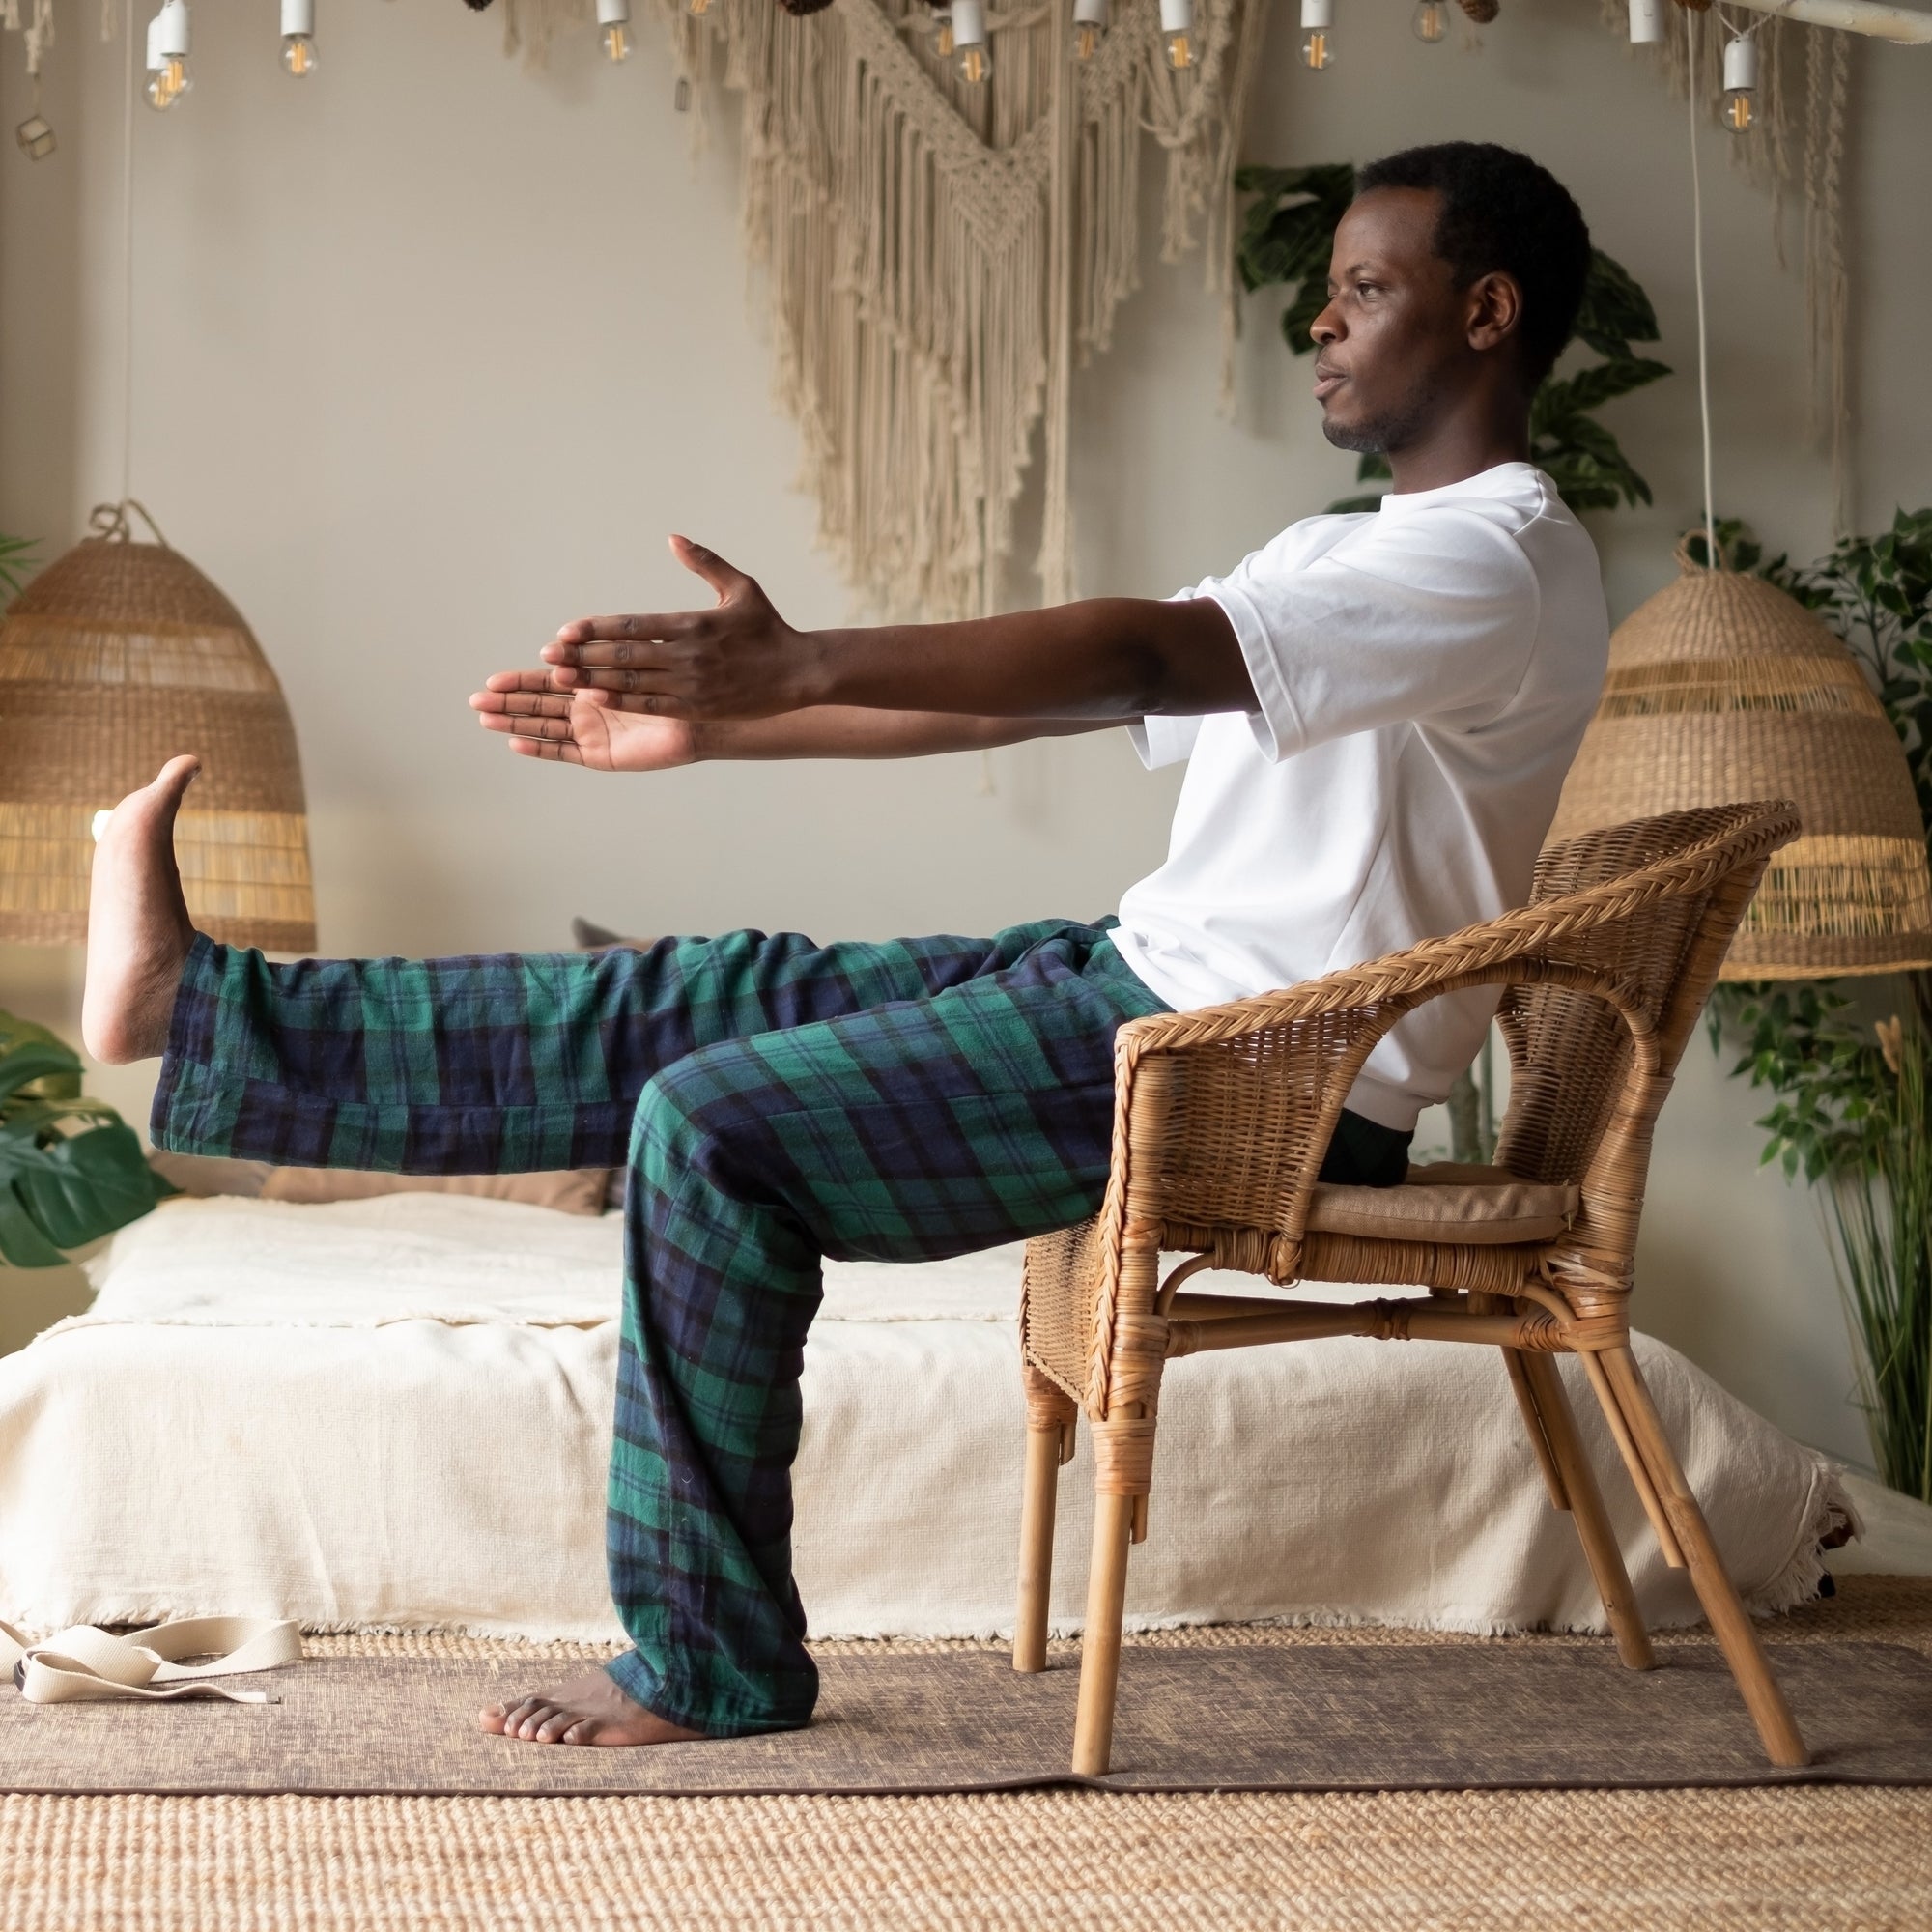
[{"x": 776, "y": 1101}]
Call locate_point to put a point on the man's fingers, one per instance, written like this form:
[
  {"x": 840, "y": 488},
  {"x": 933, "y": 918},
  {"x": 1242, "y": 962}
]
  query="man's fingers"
[
  {"x": 726, "y": 578},
  {"x": 551, "y": 728},
  {"x": 531, "y": 748},
  {"x": 521, "y": 703},
  {"x": 633, "y": 630},
  {"x": 518, "y": 680}
]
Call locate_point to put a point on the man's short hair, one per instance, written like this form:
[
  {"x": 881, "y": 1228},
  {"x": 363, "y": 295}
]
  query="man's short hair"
[{"x": 1502, "y": 211}]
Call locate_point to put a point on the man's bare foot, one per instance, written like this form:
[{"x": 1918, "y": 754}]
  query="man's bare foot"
[
  {"x": 588, "y": 1710},
  {"x": 138, "y": 931}
]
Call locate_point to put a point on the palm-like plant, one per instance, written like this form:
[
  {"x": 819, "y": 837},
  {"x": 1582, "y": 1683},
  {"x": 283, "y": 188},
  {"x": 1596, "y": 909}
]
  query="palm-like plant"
[
  {"x": 71, "y": 1169},
  {"x": 1286, "y": 236},
  {"x": 16, "y": 561}
]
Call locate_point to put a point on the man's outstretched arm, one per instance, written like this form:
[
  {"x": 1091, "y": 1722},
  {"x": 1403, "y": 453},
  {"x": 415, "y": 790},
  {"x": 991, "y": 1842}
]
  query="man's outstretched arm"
[
  {"x": 739, "y": 664},
  {"x": 543, "y": 719}
]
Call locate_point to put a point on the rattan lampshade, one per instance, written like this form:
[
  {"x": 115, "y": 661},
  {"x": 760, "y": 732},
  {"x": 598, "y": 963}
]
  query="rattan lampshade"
[
  {"x": 1723, "y": 688},
  {"x": 115, "y": 658}
]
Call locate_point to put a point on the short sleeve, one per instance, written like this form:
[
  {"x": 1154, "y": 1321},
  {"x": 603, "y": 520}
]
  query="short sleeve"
[
  {"x": 1427, "y": 615},
  {"x": 1164, "y": 741}
]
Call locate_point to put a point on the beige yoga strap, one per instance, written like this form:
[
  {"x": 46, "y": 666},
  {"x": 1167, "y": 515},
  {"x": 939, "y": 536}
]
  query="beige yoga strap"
[{"x": 86, "y": 1664}]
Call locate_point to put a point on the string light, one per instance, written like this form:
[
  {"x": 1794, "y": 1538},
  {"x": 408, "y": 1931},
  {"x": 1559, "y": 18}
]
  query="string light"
[
  {"x": 1739, "y": 83},
  {"x": 700, "y": 5},
  {"x": 1430, "y": 21},
  {"x": 168, "y": 39},
  {"x": 1177, "y": 25},
  {"x": 299, "y": 37},
  {"x": 1318, "y": 20},
  {"x": 942, "y": 32},
  {"x": 1646, "y": 22},
  {"x": 971, "y": 59},
  {"x": 1089, "y": 27},
  {"x": 613, "y": 17}
]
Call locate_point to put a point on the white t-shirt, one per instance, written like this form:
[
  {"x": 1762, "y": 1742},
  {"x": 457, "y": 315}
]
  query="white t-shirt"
[{"x": 1423, "y": 676}]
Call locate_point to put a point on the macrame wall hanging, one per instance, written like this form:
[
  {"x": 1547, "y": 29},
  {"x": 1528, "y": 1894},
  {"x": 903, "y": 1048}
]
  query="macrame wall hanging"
[{"x": 941, "y": 256}]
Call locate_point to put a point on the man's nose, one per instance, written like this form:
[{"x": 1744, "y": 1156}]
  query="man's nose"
[{"x": 1326, "y": 327}]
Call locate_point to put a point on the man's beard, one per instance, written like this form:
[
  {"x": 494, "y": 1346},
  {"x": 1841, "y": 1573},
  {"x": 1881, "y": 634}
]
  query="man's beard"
[{"x": 1379, "y": 436}]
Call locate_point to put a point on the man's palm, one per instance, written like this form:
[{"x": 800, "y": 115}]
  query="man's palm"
[{"x": 579, "y": 727}]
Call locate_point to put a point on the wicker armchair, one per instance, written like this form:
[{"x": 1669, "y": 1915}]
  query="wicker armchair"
[{"x": 1221, "y": 1120}]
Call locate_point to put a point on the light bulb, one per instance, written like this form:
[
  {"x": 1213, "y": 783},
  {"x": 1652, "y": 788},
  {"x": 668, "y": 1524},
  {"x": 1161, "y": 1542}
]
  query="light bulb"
[
  {"x": 1646, "y": 22},
  {"x": 1089, "y": 27},
  {"x": 1430, "y": 21},
  {"x": 1740, "y": 84},
  {"x": 1177, "y": 31},
  {"x": 299, "y": 37},
  {"x": 971, "y": 59},
  {"x": 157, "y": 90},
  {"x": 173, "y": 38},
  {"x": 613, "y": 16},
  {"x": 1318, "y": 50},
  {"x": 699, "y": 6},
  {"x": 942, "y": 32}
]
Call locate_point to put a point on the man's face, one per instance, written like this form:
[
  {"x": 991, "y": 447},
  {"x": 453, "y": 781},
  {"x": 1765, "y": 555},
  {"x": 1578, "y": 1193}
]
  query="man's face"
[{"x": 1394, "y": 339}]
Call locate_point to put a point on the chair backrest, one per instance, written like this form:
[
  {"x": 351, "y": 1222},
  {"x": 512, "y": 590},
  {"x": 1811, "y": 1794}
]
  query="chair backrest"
[{"x": 1570, "y": 1051}]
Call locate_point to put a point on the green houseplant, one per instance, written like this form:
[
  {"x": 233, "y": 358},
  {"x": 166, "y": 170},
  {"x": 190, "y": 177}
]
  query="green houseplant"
[
  {"x": 1850, "y": 1112},
  {"x": 16, "y": 561},
  {"x": 71, "y": 1169}
]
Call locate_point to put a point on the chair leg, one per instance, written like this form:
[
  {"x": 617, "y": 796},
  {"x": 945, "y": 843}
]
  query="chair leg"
[
  {"x": 1100, "y": 1643},
  {"x": 1050, "y": 1417},
  {"x": 1543, "y": 1385},
  {"x": 1729, "y": 1620}
]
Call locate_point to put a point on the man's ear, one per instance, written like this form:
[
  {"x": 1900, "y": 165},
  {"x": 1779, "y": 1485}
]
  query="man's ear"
[{"x": 1493, "y": 308}]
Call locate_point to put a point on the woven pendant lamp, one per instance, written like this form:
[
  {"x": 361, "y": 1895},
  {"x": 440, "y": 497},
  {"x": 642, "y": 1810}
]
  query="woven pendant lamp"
[
  {"x": 115, "y": 658},
  {"x": 1723, "y": 688}
]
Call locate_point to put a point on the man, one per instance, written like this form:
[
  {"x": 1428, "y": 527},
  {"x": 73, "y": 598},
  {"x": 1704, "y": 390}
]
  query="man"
[{"x": 1377, "y": 712}]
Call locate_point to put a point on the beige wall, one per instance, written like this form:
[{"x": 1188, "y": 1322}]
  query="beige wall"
[{"x": 432, "y": 353}]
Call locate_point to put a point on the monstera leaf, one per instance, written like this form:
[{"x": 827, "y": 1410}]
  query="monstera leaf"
[{"x": 71, "y": 1169}]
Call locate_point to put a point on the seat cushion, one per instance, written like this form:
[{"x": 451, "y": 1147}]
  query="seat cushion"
[{"x": 1447, "y": 1200}]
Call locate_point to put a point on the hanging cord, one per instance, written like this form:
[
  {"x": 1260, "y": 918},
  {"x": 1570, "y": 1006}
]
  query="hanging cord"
[
  {"x": 111, "y": 520},
  {"x": 1692, "y": 28},
  {"x": 128, "y": 256}
]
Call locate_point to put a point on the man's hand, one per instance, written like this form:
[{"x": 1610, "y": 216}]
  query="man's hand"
[
  {"x": 738, "y": 660},
  {"x": 581, "y": 727}
]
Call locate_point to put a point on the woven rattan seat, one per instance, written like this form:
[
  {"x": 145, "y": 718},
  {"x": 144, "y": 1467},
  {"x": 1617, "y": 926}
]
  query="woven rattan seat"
[
  {"x": 1222, "y": 1118},
  {"x": 1446, "y": 1201}
]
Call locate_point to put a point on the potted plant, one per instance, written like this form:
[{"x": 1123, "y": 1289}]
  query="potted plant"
[
  {"x": 1853, "y": 1086},
  {"x": 71, "y": 1169}
]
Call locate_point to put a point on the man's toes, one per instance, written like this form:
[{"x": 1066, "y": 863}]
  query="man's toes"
[
  {"x": 582, "y": 1732},
  {"x": 175, "y": 777},
  {"x": 492, "y": 1718},
  {"x": 556, "y": 1728},
  {"x": 510, "y": 1715}
]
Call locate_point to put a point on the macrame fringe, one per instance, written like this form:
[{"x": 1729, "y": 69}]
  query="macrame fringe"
[{"x": 938, "y": 260}]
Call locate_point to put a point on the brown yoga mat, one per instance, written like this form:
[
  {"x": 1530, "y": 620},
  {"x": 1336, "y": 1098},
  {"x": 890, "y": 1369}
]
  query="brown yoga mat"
[{"x": 1261, "y": 1716}]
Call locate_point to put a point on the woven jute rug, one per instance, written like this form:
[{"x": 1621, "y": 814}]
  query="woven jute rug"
[
  {"x": 1256, "y": 1713},
  {"x": 1765, "y": 1858}
]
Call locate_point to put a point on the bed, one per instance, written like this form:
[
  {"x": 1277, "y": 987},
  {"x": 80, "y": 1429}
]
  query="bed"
[{"x": 394, "y": 1414}]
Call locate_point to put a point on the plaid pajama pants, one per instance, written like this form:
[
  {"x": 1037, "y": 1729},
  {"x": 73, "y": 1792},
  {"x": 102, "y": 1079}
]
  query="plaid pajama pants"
[{"x": 776, "y": 1101}]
